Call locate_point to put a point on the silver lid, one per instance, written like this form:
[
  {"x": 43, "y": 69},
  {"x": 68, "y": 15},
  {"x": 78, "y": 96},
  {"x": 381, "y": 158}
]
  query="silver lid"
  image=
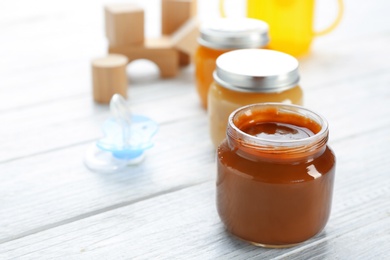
[
  {"x": 234, "y": 33},
  {"x": 256, "y": 70}
]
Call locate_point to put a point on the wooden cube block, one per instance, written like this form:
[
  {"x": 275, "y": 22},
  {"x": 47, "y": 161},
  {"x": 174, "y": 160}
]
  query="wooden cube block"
[
  {"x": 174, "y": 13},
  {"x": 185, "y": 38},
  {"x": 109, "y": 77},
  {"x": 160, "y": 51},
  {"x": 124, "y": 24},
  {"x": 184, "y": 58}
]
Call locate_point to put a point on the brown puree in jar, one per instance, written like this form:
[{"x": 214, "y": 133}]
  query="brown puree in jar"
[{"x": 274, "y": 196}]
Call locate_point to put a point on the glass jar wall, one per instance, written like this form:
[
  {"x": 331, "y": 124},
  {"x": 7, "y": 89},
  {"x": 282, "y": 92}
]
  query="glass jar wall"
[{"x": 275, "y": 174}]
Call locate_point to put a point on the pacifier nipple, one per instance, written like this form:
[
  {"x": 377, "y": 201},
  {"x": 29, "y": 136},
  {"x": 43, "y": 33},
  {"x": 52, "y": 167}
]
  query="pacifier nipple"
[{"x": 126, "y": 137}]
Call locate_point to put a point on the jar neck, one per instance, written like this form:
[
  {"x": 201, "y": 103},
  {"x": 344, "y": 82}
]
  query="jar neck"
[{"x": 282, "y": 151}]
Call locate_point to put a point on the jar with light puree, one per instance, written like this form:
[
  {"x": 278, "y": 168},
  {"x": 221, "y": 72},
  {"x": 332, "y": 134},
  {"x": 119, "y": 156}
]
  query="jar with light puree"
[
  {"x": 275, "y": 174},
  {"x": 249, "y": 76},
  {"x": 222, "y": 35}
]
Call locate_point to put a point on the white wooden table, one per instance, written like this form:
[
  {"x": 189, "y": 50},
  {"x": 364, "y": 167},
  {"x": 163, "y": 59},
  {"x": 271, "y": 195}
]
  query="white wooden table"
[{"x": 52, "y": 207}]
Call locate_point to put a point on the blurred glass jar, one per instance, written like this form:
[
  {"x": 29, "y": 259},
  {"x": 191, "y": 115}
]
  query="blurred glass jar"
[
  {"x": 249, "y": 76},
  {"x": 220, "y": 36}
]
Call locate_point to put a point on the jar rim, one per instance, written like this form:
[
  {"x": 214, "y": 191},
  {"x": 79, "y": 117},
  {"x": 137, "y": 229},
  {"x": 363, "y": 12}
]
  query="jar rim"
[{"x": 318, "y": 139}]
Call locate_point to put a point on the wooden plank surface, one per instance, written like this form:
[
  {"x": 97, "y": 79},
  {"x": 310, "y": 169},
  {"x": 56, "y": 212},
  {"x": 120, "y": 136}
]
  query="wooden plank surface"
[{"x": 51, "y": 206}]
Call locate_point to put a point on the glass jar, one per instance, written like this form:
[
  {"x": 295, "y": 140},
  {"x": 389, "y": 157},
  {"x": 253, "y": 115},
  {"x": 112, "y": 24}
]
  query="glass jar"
[
  {"x": 249, "y": 76},
  {"x": 275, "y": 174},
  {"x": 222, "y": 35}
]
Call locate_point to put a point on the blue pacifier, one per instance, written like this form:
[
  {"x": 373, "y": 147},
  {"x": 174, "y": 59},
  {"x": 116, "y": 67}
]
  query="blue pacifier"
[{"x": 126, "y": 137}]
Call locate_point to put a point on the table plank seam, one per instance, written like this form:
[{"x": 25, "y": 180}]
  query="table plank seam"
[{"x": 99, "y": 211}]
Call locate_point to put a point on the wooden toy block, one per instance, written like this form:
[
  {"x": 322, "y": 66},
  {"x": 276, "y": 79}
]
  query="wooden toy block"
[
  {"x": 124, "y": 24},
  {"x": 184, "y": 58},
  {"x": 109, "y": 77},
  {"x": 160, "y": 51},
  {"x": 174, "y": 13},
  {"x": 185, "y": 38}
]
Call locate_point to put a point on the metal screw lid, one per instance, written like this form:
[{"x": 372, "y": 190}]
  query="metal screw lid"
[
  {"x": 234, "y": 33},
  {"x": 256, "y": 70}
]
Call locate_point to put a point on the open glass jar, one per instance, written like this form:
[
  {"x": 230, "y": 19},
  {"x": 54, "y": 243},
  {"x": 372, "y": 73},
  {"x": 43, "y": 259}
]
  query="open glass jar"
[
  {"x": 222, "y": 35},
  {"x": 275, "y": 174},
  {"x": 249, "y": 76}
]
